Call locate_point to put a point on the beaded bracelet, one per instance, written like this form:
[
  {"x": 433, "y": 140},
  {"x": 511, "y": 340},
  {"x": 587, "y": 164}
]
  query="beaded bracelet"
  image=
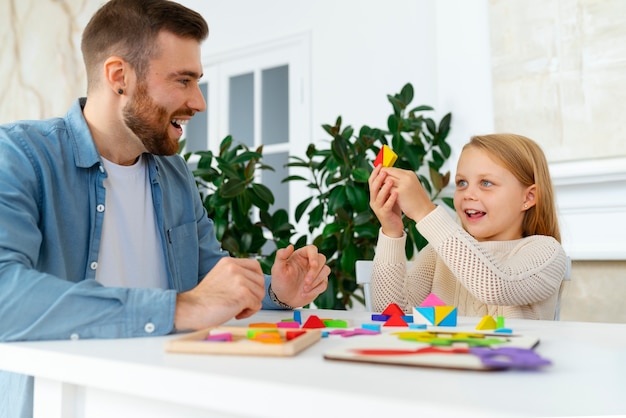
[{"x": 275, "y": 299}]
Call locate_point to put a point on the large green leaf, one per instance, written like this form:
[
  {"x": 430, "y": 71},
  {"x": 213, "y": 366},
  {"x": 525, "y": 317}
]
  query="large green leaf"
[
  {"x": 257, "y": 199},
  {"x": 302, "y": 207},
  {"x": 407, "y": 93},
  {"x": 232, "y": 188},
  {"x": 263, "y": 192},
  {"x": 360, "y": 175},
  {"x": 357, "y": 197},
  {"x": 348, "y": 258},
  {"x": 245, "y": 156},
  {"x": 444, "y": 125},
  {"x": 337, "y": 199},
  {"x": 393, "y": 123}
]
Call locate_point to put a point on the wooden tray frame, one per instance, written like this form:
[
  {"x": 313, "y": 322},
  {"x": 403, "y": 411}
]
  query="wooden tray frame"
[
  {"x": 444, "y": 361},
  {"x": 194, "y": 343}
]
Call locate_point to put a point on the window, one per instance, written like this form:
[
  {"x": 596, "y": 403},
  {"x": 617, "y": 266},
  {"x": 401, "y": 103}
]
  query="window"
[{"x": 260, "y": 96}]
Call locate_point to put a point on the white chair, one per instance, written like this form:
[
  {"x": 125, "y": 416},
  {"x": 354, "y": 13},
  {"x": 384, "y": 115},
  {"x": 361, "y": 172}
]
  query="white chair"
[{"x": 364, "y": 273}]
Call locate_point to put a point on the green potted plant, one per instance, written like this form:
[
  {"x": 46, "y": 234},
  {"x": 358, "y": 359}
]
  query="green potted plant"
[
  {"x": 234, "y": 199},
  {"x": 340, "y": 221},
  {"x": 338, "y": 214}
]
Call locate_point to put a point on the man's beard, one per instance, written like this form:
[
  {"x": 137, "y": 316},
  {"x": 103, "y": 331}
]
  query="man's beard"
[{"x": 150, "y": 122}]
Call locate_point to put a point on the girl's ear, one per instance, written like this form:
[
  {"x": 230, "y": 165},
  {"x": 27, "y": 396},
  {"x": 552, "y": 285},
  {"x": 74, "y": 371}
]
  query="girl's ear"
[{"x": 529, "y": 197}]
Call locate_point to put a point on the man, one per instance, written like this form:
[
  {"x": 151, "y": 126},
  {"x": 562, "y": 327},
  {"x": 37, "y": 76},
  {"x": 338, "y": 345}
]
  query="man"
[{"x": 102, "y": 231}]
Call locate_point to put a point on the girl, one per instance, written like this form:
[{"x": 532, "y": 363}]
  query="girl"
[{"x": 506, "y": 259}]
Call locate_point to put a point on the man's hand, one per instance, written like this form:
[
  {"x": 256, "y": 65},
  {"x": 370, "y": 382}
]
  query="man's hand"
[
  {"x": 235, "y": 288},
  {"x": 299, "y": 276}
]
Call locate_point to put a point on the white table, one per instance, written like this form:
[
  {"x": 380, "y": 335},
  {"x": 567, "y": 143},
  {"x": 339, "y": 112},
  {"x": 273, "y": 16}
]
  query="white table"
[{"x": 137, "y": 378}]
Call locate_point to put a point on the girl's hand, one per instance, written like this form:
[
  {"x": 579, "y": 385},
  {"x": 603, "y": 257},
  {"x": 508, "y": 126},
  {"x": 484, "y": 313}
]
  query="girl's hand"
[
  {"x": 383, "y": 202},
  {"x": 409, "y": 194}
]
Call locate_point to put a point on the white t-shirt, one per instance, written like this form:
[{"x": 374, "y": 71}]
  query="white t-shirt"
[{"x": 131, "y": 254}]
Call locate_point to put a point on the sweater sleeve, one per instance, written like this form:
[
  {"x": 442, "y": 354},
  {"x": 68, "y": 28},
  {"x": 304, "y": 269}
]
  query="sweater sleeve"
[
  {"x": 504, "y": 273},
  {"x": 390, "y": 282}
]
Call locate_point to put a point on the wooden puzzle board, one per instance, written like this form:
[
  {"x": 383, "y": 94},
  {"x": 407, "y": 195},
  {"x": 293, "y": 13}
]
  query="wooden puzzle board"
[
  {"x": 195, "y": 342},
  {"x": 350, "y": 351}
]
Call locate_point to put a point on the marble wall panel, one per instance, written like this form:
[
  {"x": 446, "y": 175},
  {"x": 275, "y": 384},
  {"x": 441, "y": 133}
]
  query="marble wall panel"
[
  {"x": 559, "y": 74},
  {"x": 41, "y": 67},
  {"x": 596, "y": 292}
]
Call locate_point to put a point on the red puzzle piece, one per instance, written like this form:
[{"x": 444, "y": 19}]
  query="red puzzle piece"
[
  {"x": 396, "y": 321},
  {"x": 314, "y": 321},
  {"x": 393, "y": 309}
]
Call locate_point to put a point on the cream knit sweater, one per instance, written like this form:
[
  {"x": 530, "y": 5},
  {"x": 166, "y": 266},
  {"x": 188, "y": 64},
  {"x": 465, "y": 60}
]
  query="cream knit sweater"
[{"x": 516, "y": 279}]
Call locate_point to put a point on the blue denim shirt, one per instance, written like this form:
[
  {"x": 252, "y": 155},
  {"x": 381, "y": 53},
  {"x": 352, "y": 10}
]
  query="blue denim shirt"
[{"x": 52, "y": 203}]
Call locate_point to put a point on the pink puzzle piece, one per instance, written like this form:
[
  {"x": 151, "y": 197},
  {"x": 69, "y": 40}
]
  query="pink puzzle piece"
[
  {"x": 432, "y": 300},
  {"x": 225, "y": 337}
]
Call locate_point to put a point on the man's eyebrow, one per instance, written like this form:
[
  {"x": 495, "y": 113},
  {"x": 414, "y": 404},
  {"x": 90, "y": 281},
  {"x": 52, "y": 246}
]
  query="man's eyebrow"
[{"x": 187, "y": 73}]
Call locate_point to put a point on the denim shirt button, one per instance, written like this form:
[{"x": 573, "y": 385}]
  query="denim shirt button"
[
  {"x": 101, "y": 168},
  {"x": 149, "y": 328},
  {"x": 93, "y": 265},
  {"x": 74, "y": 337},
  {"x": 100, "y": 208}
]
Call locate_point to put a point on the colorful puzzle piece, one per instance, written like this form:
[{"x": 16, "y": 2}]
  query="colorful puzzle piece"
[
  {"x": 335, "y": 323},
  {"x": 372, "y": 327},
  {"x": 352, "y": 333},
  {"x": 297, "y": 317},
  {"x": 268, "y": 338},
  {"x": 393, "y": 309},
  {"x": 288, "y": 324},
  {"x": 486, "y": 323},
  {"x": 432, "y": 300},
  {"x": 224, "y": 336},
  {"x": 499, "y": 322},
  {"x": 314, "y": 321},
  {"x": 380, "y": 317},
  {"x": 434, "y": 311},
  {"x": 386, "y": 157},
  {"x": 263, "y": 325},
  {"x": 290, "y": 335},
  {"x": 444, "y": 316},
  {"x": 396, "y": 321},
  {"x": 424, "y": 315}
]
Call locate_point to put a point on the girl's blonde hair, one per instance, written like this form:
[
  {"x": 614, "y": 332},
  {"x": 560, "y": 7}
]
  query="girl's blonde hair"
[{"x": 525, "y": 159}]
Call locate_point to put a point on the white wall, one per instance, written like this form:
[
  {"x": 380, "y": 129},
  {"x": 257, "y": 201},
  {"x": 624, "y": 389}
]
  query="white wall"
[{"x": 363, "y": 50}]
